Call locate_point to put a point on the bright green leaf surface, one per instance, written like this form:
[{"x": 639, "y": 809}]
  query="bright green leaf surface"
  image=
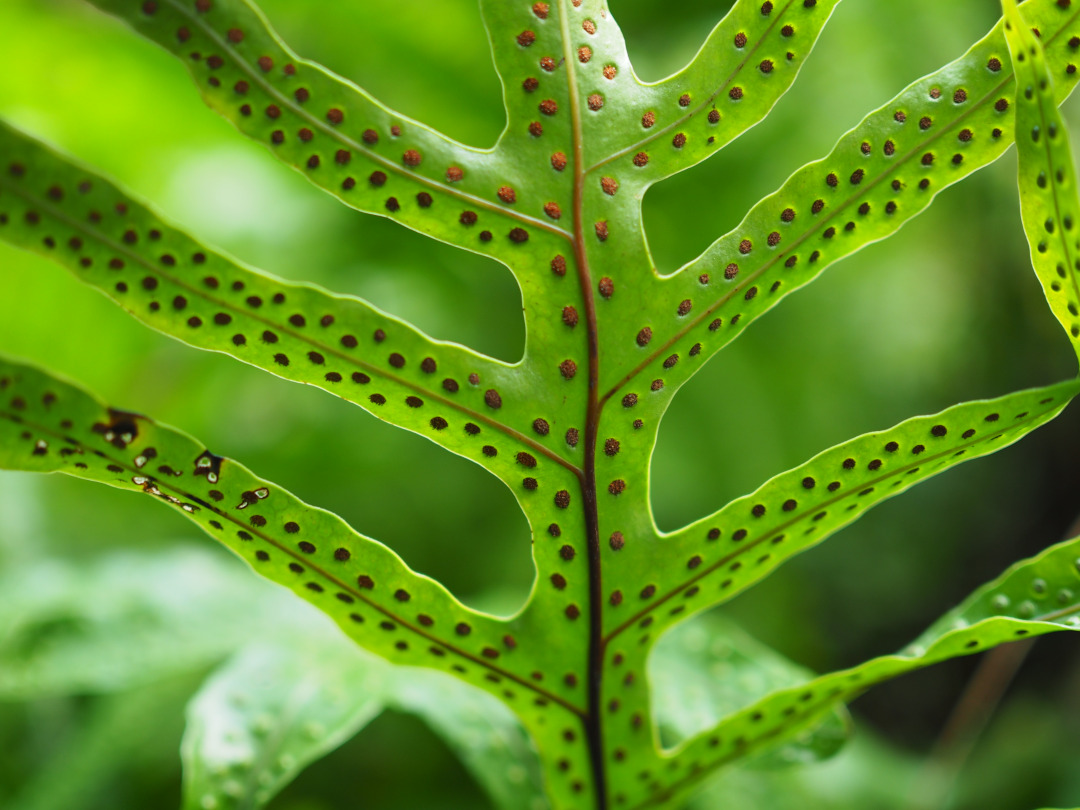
[
  {"x": 881, "y": 174},
  {"x": 299, "y": 332},
  {"x": 571, "y": 428},
  {"x": 48, "y": 425},
  {"x": 651, "y": 131},
  {"x": 717, "y": 557},
  {"x": 1048, "y": 194}
]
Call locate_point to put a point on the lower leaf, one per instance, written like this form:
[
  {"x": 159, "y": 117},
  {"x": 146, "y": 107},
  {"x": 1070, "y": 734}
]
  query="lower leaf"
[
  {"x": 706, "y": 669},
  {"x": 124, "y": 620},
  {"x": 267, "y": 714},
  {"x": 1033, "y": 597}
]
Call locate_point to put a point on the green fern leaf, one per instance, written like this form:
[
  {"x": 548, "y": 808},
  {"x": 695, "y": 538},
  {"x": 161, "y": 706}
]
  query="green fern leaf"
[
  {"x": 1034, "y": 597},
  {"x": 570, "y": 428}
]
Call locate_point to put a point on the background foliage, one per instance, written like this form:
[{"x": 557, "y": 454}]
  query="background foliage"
[{"x": 945, "y": 311}]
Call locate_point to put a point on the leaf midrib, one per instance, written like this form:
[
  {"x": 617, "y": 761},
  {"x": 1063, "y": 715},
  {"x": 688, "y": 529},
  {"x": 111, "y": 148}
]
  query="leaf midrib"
[{"x": 593, "y": 720}]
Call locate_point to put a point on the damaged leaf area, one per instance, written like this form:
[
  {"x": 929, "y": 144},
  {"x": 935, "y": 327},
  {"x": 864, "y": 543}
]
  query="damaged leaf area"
[{"x": 570, "y": 428}]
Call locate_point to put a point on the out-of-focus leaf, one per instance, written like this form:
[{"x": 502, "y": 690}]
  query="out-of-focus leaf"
[
  {"x": 484, "y": 734},
  {"x": 126, "y": 619},
  {"x": 862, "y": 776},
  {"x": 283, "y": 702},
  {"x": 121, "y": 733},
  {"x": 268, "y": 713},
  {"x": 704, "y": 670},
  {"x": 20, "y": 541}
]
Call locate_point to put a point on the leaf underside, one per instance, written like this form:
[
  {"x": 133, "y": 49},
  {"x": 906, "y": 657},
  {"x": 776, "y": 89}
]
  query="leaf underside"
[{"x": 571, "y": 427}]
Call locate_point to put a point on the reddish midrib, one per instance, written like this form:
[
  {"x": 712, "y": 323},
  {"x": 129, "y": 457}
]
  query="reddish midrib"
[{"x": 587, "y": 477}]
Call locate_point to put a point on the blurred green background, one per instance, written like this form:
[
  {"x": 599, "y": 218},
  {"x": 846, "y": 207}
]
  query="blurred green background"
[{"x": 948, "y": 310}]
